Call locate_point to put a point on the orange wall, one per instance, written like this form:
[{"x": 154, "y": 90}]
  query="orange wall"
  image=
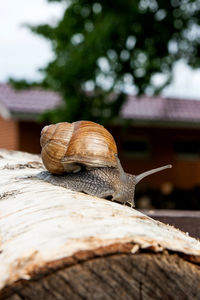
[
  {"x": 20, "y": 135},
  {"x": 8, "y": 134},
  {"x": 185, "y": 172}
]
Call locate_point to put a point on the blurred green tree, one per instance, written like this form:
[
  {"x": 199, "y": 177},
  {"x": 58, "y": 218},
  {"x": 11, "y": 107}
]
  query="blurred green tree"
[{"x": 105, "y": 48}]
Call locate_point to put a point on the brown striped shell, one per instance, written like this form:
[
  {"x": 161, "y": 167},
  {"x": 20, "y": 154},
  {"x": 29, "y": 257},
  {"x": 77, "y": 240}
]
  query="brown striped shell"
[{"x": 67, "y": 146}]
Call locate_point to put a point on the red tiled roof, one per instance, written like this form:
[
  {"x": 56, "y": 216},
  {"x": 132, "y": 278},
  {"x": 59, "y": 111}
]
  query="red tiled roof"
[
  {"x": 35, "y": 101},
  {"x": 28, "y": 101}
]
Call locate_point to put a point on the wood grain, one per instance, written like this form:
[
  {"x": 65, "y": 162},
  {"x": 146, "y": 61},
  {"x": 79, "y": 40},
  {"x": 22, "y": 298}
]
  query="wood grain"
[{"x": 141, "y": 276}]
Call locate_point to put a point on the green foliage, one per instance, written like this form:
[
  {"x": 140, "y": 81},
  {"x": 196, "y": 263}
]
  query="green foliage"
[
  {"x": 23, "y": 84},
  {"x": 101, "y": 47}
]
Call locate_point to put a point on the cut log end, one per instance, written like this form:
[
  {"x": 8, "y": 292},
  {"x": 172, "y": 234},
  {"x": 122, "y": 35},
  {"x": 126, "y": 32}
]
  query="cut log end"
[{"x": 120, "y": 276}]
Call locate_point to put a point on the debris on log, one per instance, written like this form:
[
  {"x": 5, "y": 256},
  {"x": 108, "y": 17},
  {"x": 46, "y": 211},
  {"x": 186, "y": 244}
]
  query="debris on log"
[{"x": 60, "y": 244}]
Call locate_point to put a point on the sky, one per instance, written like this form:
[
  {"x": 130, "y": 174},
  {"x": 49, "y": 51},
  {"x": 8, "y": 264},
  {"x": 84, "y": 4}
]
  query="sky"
[{"x": 22, "y": 53}]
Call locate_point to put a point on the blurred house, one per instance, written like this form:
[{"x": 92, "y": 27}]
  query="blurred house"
[
  {"x": 157, "y": 131},
  {"x": 19, "y": 112},
  {"x": 162, "y": 131}
]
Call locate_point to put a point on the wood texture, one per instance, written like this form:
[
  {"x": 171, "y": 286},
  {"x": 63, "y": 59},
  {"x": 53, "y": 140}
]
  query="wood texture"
[
  {"x": 58, "y": 244},
  {"x": 121, "y": 276}
]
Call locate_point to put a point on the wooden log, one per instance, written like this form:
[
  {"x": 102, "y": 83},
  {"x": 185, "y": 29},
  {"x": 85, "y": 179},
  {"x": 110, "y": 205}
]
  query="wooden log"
[{"x": 59, "y": 244}]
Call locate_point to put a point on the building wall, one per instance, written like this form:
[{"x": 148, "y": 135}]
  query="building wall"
[
  {"x": 8, "y": 134},
  {"x": 29, "y": 136},
  {"x": 161, "y": 149},
  {"x": 164, "y": 148}
]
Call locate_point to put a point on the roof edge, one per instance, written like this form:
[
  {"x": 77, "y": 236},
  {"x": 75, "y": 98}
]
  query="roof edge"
[
  {"x": 159, "y": 123},
  {"x": 4, "y": 112}
]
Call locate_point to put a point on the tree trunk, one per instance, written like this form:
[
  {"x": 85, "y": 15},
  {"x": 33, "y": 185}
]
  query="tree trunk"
[{"x": 59, "y": 244}]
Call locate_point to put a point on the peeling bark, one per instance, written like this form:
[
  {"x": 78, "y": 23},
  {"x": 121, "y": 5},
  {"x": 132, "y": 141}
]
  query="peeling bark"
[{"x": 58, "y": 244}]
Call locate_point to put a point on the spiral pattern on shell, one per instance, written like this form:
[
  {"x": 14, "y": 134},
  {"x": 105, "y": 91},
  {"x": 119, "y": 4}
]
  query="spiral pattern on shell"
[{"x": 67, "y": 146}]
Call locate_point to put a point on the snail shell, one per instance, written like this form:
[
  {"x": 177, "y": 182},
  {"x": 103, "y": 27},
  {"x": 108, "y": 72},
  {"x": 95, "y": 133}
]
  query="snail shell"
[{"x": 67, "y": 146}]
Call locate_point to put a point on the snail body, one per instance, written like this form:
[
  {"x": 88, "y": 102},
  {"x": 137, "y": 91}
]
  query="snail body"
[{"x": 82, "y": 156}]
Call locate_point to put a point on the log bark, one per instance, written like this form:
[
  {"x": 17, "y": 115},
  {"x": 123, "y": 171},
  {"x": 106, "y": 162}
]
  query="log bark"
[{"x": 59, "y": 244}]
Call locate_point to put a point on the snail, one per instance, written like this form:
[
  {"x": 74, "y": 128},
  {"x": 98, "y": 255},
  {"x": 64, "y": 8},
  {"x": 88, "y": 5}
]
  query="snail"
[{"x": 82, "y": 156}]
